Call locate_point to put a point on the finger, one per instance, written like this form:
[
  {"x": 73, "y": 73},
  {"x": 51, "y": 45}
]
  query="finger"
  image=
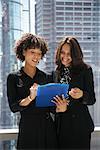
[
  {"x": 35, "y": 86},
  {"x": 53, "y": 102},
  {"x": 69, "y": 92},
  {"x": 72, "y": 93},
  {"x": 59, "y": 98},
  {"x": 32, "y": 88},
  {"x": 59, "y": 102},
  {"x": 67, "y": 102},
  {"x": 63, "y": 97},
  {"x": 57, "y": 105}
]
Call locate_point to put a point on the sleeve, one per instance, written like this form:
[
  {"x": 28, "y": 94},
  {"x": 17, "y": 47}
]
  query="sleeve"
[
  {"x": 12, "y": 95},
  {"x": 88, "y": 92},
  {"x": 49, "y": 78}
]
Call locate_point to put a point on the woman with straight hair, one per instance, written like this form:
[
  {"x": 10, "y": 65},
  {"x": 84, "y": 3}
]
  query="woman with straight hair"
[{"x": 73, "y": 121}]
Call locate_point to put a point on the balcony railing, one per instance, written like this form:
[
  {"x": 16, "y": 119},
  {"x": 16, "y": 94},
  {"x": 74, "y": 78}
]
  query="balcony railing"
[{"x": 11, "y": 134}]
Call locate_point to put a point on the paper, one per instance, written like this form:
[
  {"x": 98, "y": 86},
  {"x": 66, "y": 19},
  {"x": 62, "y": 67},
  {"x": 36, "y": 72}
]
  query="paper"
[{"x": 45, "y": 93}]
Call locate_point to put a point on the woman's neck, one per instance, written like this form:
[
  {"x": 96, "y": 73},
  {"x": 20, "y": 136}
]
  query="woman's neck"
[{"x": 29, "y": 70}]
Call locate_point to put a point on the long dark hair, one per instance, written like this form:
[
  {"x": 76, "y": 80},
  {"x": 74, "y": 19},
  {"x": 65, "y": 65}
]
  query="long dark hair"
[{"x": 77, "y": 63}]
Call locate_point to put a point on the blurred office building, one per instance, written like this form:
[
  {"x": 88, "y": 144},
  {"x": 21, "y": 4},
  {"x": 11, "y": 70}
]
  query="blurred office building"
[
  {"x": 80, "y": 18},
  {"x": 54, "y": 19},
  {"x": 15, "y": 19}
]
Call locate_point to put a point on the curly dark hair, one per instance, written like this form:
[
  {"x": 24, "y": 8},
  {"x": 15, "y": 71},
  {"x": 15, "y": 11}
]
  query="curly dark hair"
[{"x": 28, "y": 41}]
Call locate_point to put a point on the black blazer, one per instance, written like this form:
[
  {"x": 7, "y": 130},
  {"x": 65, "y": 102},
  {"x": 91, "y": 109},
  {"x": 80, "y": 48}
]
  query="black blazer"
[
  {"x": 84, "y": 80},
  {"x": 77, "y": 117}
]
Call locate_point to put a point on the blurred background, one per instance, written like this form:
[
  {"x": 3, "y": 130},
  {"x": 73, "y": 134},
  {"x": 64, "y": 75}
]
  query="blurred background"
[{"x": 51, "y": 19}]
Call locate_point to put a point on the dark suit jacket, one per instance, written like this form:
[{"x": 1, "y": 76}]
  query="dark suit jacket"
[{"x": 76, "y": 123}]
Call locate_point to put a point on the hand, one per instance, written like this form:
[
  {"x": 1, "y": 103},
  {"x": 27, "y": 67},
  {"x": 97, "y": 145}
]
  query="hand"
[
  {"x": 33, "y": 91},
  {"x": 61, "y": 103},
  {"x": 76, "y": 93}
]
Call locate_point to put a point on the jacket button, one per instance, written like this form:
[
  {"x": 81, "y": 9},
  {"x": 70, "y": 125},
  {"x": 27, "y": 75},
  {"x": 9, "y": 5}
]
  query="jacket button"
[
  {"x": 47, "y": 115},
  {"x": 73, "y": 116}
]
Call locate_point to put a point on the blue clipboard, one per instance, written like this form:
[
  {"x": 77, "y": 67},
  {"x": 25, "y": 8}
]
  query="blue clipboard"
[{"x": 45, "y": 93}]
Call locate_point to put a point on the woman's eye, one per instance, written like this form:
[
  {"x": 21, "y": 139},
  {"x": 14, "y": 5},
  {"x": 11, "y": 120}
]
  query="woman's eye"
[
  {"x": 38, "y": 54},
  {"x": 32, "y": 52},
  {"x": 62, "y": 53}
]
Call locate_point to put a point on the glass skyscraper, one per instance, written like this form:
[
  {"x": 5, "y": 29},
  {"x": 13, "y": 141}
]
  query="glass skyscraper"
[
  {"x": 54, "y": 19},
  {"x": 80, "y": 18},
  {"x": 15, "y": 19},
  {"x": 10, "y": 31}
]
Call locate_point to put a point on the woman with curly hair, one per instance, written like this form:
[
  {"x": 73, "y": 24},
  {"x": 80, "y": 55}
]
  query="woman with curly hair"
[
  {"x": 73, "y": 120},
  {"x": 36, "y": 128}
]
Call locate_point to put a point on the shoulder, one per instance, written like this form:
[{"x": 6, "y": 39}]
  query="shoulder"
[
  {"x": 44, "y": 76},
  {"x": 88, "y": 68},
  {"x": 81, "y": 68},
  {"x": 14, "y": 75},
  {"x": 87, "y": 72},
  {"x": 40, "y": 72}
]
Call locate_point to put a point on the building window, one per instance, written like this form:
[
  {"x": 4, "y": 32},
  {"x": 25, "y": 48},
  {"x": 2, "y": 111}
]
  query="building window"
[
  {"x": 59, "y": 8},
  {"x": 68, "y": 3},
  {"x": 59, "y": 3},
  {"x": 78, "y": 3}
]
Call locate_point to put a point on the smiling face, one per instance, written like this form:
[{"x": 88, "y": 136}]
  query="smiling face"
[
  {"x": 32, "y": 56},
  {"x": 65, "y": 55}
]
